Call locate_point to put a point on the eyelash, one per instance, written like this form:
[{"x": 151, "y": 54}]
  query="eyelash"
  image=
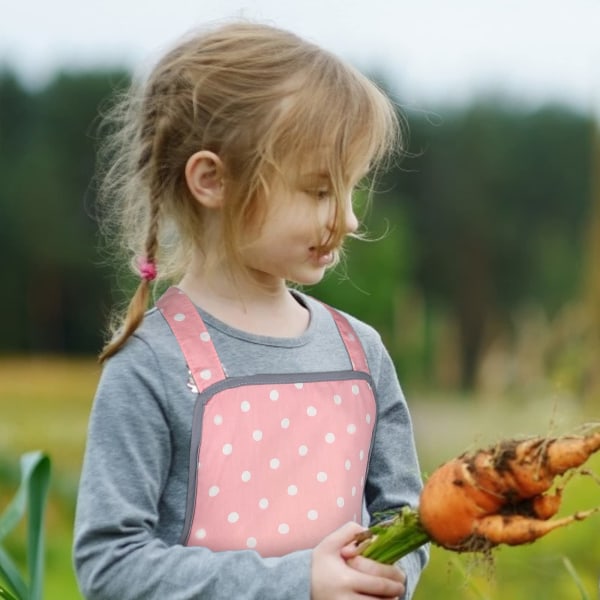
[{"x": 323, "y": 194}]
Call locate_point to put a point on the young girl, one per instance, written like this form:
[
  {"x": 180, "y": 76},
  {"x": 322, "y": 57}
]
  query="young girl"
[{"x": 240, "y": 427}]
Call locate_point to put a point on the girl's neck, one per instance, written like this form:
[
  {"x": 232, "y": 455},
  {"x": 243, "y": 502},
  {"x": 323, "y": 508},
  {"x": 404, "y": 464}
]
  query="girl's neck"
[{"x": 254, "y": 307}]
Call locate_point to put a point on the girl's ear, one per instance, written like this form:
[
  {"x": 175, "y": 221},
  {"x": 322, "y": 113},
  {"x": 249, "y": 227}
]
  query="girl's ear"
[{"x": 204, "y": 178}]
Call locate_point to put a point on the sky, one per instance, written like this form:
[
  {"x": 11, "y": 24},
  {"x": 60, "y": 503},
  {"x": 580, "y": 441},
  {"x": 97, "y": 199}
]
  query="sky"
[{"x": 431, "y": 51}]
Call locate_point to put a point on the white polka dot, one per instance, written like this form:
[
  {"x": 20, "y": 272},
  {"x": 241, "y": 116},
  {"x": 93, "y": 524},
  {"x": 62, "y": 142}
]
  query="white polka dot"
[
  {"x": 227, "y": 449},
  {"x": 218, "y": 419},
  {"x": 337, "y": 399},
  {"x": 274, "y": 463},
  {"x": 361, "y": 455},
  {"x": 285, "y": 423},
  {"x": 299, "y": 386},
  {"x": 213, "y": 491},
  {"x": 233, "y": 517},
  {"x": 368, "y": 418},
  {"x": 263, "y": 503},
  {"x": 292, "y": 490},
  {"x": 321, "y": 476},
  {"x": 351, "y": 337},
  {"x": 251, "y": 542},
  {"x": 311, "y": 411},
  {"x": 283, "y": 528},
  {"x": 200, "y": 534},
  {"x": 355, "y": 390},
  {"x": 348, "y": 464},
  {"x": 340, "y": 502},
  {"x": 257, "y": 435},
  {"x": 303, "y": 450},
  {"x": 246, "y": 476},
  {"x": 205, "y": 336},
  {"x": 245, "y": 406},
  {"x": 274, "y": 395},
  {"x": 330, "y": 438},
  {"x": 312, "y": 515},
  {"x": 353, "y": 491},
  {"x": 179, "y": 317},
  {"x": 206, "y": 374},
  {"x": 351, "y": 429}
]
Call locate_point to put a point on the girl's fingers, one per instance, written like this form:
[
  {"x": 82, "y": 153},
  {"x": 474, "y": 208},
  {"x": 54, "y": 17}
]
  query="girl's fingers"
[
  {"x": 378, "y": 580},
  {"x": 372, "y": 586},
  {"x": 370, "y": 567}
]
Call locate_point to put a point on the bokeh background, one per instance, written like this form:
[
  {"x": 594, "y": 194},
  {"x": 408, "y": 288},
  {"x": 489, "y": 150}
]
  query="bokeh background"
[{"x": 484, "y": 280}]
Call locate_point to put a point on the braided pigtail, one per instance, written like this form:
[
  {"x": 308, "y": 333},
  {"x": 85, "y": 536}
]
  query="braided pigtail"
[
  {"x": 139, "y": 302},
  {"x": 148, "y": 167}
]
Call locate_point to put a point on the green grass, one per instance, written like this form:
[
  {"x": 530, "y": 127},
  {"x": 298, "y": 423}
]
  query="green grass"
[{"x": 45, "y": 403}]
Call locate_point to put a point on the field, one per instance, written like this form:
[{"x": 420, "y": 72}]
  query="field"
[{"x": 44, "y": 404}]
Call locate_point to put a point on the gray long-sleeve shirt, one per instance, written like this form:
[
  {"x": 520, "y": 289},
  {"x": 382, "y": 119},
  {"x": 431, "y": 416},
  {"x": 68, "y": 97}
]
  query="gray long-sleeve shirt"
[{"x": 132, "y": 494}]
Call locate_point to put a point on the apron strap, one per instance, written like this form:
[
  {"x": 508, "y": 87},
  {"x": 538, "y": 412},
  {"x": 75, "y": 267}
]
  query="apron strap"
[
  {"x": 193, "y": 338},
  {"x": 353, "y": 345},
  {"x": 189, "y": 330}
]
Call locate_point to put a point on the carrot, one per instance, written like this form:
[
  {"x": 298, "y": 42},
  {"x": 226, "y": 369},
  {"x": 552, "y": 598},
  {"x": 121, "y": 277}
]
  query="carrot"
[{"x": 497, "y": 495}]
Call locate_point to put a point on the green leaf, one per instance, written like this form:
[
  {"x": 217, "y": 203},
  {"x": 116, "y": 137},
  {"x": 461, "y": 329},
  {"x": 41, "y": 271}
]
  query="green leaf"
[
  {"x": 6, "y": 595},
  {"x": 12, "y": 576},
  {"x": 38, "y": 495},
  {"x": 573, "y": 573},
  {"x": 32, "y": 493}
]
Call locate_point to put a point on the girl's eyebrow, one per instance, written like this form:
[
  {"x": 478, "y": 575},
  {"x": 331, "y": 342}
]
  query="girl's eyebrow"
[{"x": 315, "y": 177}]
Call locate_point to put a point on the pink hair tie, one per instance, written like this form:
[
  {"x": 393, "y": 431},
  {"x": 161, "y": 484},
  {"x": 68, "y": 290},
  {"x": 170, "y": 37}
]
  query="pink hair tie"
[{"x": 147, "y": 269}]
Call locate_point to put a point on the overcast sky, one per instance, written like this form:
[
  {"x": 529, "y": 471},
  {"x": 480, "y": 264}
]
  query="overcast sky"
[{"x": 431, "y": 50}]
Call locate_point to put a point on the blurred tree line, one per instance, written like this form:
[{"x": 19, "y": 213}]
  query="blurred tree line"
[{"x": 488, "y": 213}]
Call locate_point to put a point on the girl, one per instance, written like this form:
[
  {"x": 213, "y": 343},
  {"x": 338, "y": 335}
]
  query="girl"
[{"x": 241, "y": 427}]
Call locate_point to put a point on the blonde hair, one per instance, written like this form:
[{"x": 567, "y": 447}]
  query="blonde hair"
[{"x": 259, "y": 97}]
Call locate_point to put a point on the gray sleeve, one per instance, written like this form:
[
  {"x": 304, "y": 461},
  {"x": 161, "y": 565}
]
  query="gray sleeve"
[
  {"x": 394, "y": 478},
  {"x": 117, "y": 553}
]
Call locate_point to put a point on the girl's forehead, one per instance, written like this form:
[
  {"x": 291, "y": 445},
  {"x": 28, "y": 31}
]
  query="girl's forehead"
[{"x": 326, "y": 165}]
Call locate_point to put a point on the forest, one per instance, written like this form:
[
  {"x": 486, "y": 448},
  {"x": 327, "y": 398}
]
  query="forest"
[{"x": 484, "y": 244}]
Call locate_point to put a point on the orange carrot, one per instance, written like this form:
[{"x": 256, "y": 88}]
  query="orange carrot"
[
  {"x": 498, "y": 495},
  {"x": 500, "y": 492}
]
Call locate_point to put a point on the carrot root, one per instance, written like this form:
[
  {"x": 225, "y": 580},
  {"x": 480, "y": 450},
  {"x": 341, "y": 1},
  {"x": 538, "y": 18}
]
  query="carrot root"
[{"x": 499, "y": 495}]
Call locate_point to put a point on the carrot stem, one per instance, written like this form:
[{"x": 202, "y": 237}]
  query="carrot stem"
[{"x": 396, "y": 537}]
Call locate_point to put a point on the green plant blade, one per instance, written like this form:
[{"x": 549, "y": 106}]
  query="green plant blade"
[
  {"x": 39, "y": 482},
  {"x": 12, "y": 576},
  {"x": 32, "y": 492},
  {"x": 6, "y": 595},
  {"x": 573, "y": 573}
]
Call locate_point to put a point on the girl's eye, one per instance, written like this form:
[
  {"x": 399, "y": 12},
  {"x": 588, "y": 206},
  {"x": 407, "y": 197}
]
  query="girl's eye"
[{"x": 323, "y": 194}]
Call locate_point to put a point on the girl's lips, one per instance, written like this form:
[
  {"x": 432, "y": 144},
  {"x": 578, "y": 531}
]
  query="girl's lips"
[
  {"x": 322, "y": 258},
  {"x": 325, "y": 259}
]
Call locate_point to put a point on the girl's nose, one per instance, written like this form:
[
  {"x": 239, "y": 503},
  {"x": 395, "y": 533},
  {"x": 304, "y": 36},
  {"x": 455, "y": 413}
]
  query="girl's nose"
[
  {"x": 350, "y": 221},
  {"x": 348, "y": 224}
]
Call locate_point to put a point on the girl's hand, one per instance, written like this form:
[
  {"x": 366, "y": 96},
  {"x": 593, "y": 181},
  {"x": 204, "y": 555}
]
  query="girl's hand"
[{"x": 339, "y": 573}]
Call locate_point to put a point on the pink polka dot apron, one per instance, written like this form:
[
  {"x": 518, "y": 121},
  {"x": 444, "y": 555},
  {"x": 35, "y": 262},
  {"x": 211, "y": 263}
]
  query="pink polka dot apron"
[{"x": 277, "y": 461}]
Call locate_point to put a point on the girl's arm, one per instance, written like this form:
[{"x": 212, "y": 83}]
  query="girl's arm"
[{"x": 394, "y": 477}]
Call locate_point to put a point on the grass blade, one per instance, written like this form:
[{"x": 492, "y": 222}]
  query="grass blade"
[
  {"x": 573, "y": 573},
  {"x": 38, "y": 465},
  {"x": 6, "y": 595},
  {"x": 32, "y": 493},
  {"x": 11, "y": 575}
]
